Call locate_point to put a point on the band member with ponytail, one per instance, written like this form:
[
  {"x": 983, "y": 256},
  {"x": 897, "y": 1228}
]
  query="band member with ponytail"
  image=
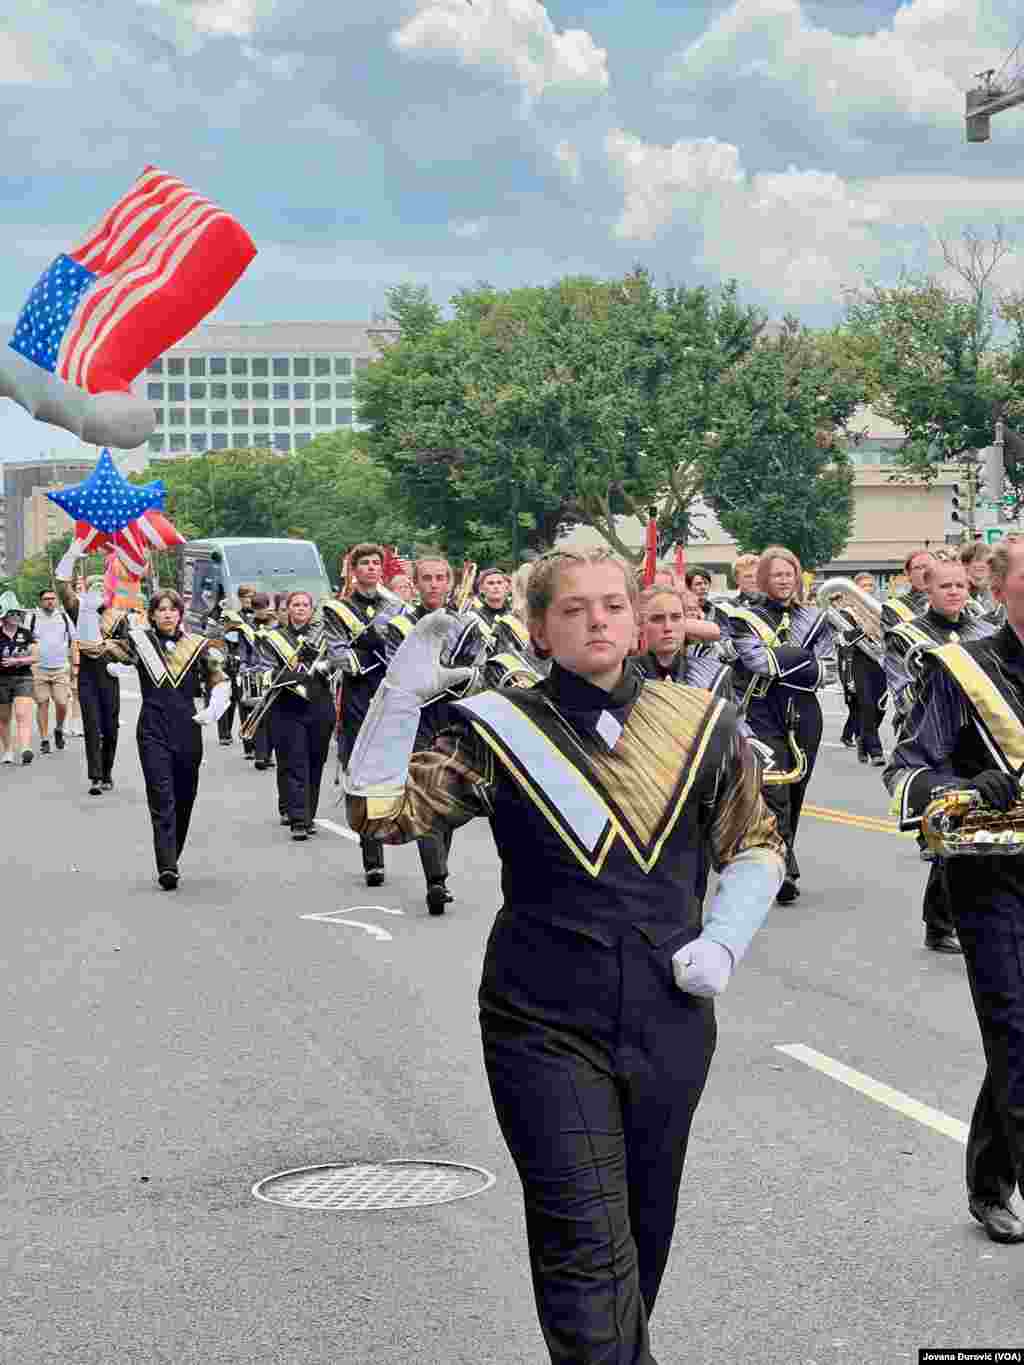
[
  {"x": 601, "y": 788},
  {"x": 781, "y": 644},
  {"x": 301, "y": 718},
  {"x": 173, "y": 670}
]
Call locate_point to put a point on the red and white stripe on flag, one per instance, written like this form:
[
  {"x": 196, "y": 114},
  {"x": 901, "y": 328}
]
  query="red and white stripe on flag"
[
  {"x": 154, "y": 527},
  {"x": 164, "y": 257}
]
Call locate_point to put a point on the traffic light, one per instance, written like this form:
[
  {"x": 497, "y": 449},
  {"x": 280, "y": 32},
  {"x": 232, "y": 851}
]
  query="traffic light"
[{"x": 954, "y": 503}]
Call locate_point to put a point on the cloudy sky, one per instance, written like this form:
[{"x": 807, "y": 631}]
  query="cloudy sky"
[{"x": 791, "y": 144}]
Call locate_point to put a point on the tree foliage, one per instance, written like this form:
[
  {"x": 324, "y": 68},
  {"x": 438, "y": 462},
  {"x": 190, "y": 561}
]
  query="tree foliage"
[
  {"x": 535, "y": 409},
  {"x": 775, "y": 469}
]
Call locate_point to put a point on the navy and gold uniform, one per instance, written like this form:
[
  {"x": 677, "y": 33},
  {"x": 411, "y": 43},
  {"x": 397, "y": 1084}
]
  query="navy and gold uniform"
[{"x": 99, "y": 693}]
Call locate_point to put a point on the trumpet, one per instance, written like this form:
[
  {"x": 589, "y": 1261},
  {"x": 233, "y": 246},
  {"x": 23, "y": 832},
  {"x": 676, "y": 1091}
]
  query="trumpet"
[{"x": 861, "y": 607}]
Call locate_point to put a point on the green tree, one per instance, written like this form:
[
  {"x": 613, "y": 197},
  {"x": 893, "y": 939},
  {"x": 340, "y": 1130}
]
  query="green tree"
[
  {"x": 776, "y": 470},
  {"x": 534, "y": 409},
  {"x": 36, "y": 573}
]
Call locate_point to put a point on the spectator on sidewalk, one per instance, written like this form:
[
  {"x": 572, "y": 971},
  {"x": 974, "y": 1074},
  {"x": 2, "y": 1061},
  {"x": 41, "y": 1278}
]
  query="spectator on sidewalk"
[
  {"x": 18, "y": 652},
  {"x": 55, "y": 635}
]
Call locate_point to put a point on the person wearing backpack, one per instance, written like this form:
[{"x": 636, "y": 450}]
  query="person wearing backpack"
[{"x": 51, "y": 675}]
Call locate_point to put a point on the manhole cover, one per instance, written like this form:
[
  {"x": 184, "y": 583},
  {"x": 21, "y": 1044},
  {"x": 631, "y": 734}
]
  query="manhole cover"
[{"x": 361, "y": 1185}]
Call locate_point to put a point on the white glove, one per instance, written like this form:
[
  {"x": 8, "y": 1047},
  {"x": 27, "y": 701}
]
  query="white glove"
[
  {"x": 122, "y": 420},
  {"x": 220, "y": 700},
  {"x": 703, "y": 967},
  {"x": 204, "y": 716},
  {"x": 120, "y": 670},
  {"x": 416, "y": 668},
  {"x": 66, "y": 568},
  {"x": 321, "y": 667},
  {"x": 232, "y": 637}
]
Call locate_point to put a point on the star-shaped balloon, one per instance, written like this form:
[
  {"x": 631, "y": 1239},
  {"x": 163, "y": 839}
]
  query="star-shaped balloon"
[{"x": 106, "y": 499}]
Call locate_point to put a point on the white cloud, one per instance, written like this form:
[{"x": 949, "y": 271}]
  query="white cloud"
[
  {"x": 918, "y": 65},
  {"x": 235, "y": 17},
  {"x": 470, "y": 228},
  {"x": 659, "y": 182},
  {"x": 21, "y": 62},
  {"x": 568, "y": 159},
  {"x": 515, "y": 37}
]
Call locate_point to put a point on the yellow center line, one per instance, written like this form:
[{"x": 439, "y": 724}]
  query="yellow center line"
[{"x": 843, "y": 817}]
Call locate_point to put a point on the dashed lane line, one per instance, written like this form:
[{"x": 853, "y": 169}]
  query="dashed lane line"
[{"x": 877, "y": 1091}]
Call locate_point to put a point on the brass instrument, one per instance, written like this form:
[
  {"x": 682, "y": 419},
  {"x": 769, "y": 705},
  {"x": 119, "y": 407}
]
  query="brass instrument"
[
  {"x": 311, "y": 650},
  {"x": 464, "y": 591},
  {"x": 252, "y": 685},
  {"x": 865, "y": 611},
  {"x": 508, "y": 669},
  {"x": 956, "y": 823}
]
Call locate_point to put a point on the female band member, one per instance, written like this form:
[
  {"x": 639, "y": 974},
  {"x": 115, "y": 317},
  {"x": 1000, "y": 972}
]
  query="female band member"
[
  {"x": 601, "y": 788},
  {"x": 780, "y": 645},
  {"x": 302, "y": 717},
  {"x": 670, "y": 656},
  {"x": 173, "y": 669}
]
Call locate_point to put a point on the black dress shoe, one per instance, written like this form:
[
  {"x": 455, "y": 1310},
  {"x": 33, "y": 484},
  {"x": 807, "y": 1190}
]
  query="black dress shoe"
[
  {"x": 168, "y": 880},
  {"x": 942, "y": 943},
  {"x": 849, "y": 743},
  {"x": 375, "y": 876},
  {"x": 862, "y": 755},
  {"x": 1001, "y": 1223},
  {"x": 107, "y": 784},
  {"x": 95, "y": 789},
  {"x": 300, "y": 832},
  {"x": 438, "y": 896},
  {"x": 286, "y": 820},
  {"x": 787, "y": 892}
]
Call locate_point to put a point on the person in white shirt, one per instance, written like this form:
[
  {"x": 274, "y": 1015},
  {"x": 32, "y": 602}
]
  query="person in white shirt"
[{"x": 51, "y": 675}]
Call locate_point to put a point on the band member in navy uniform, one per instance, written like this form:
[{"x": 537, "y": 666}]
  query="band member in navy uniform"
[
  {"x": 904, "y": 606},
  {"x": 966, "y": 730},
  {"x": 670, "y": 656},
  {"x": 492, "y": 595},
  {"x": 301, "y": 718},
  {"x": 174, "y": 669},
  {"x": 781, "y": 644},
  {"x": 598, "y": 1026}
]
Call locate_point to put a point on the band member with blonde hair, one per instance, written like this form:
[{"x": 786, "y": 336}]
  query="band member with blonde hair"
[
  {"x": 604, "y": 790},
  {"x": 781, "y": 645},
  {"x": 670, "y": 656}
]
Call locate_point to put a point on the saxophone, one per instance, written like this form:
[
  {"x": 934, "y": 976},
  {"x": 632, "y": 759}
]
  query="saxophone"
[{"x": 957, "y": 823}]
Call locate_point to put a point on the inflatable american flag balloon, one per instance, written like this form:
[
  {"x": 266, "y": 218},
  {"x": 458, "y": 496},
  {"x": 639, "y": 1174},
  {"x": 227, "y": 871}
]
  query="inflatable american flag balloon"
[{"x": 144, "y": 276}]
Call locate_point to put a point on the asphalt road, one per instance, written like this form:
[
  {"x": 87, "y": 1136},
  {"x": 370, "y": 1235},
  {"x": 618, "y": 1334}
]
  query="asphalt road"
[{"x": 170, "y": 1050}]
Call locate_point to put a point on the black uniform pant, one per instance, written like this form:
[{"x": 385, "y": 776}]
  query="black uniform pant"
[
  {"x": 225, "y": 723},
  {"x": 301, "y": 734},
  {"x": 434, "y": 850},
  {"x": 170, "y": 765},
  {"x": 785, "y": 800},
  {"x": 596, "y": 1062},
  {"x": 99, "y": 700},
  {"x": 936, "y": 911},
  {"x": 988, "y": 905},
  {"x": 371, "y": 849},
  {"x": 869, "y": 682}
]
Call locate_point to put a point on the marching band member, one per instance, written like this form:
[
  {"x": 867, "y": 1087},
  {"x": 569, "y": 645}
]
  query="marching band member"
[
  {"x": 670, "y": 656},
  {"x": 869, "y": 683},
  {"x": 744, "y": 575},
  {"x": 301, "y": 717},
  {"x": 492, "y": 588},
  {"x": 173, "y": 668},
  {"x": 601, "y": 787},
  {"x": 975, "y": 557},
  {"x": 904, "y": 606},
  {"x": 781, "y": 643},
  {"x": 251, "y": 665},
  {"x": 945, "y": 621},
  {"x": 698, "y": 581},
  {"x": 966, "y": 729},
  {"x": 102, "y": 631}
]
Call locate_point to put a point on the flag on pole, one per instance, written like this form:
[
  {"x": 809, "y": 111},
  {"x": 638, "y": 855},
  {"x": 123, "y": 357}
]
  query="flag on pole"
[
  {"x": 681, "y": 563},
  {"x": 651, "y": 555}
]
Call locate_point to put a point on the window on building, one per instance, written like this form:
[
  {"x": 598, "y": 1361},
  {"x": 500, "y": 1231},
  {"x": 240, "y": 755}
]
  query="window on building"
[
  {"x": 197, "y": 441},
  {"x": 177, "y": 440},
  {"x": 362, "y": 363},
  {"x": 282, "y": 417},
  {"x": 239, "y": 364},
  {"x": 156, "y": 444},
  {"x": 176, "y": 417},
  {"x": 282, "y": 440},
  {"x": 157, "y": 367},
  {"x": 218, "y": 364},
  {"x": 343, "y": 390},
  {"x": 300, "y": 366},
  {"x": 218, "y": 391},
  {"x": 158, "y": 416},
  {"x": 239, "y": 417},
  {"x": 261, "y": 417},
  {"x": 197, "y": 391},
  {"x": 176, "y": 393},
  {"x": 197, "y": 366},
  {"x": 155, "y": 391},
  {"x": 260, "y": 366},
  {"x": 197, "y": 417},
  {"x": 302, "y": 438},
  {"x": 300, "y": 391},
  {"x": 303, "y": 417},
  {"x": 323, "y": 417},
  {"x": 282, "y": 365},
  {"x": 240, "y": 440},
  {"x": 322, "y": 365},
  {"x": 176, "y": 365},
  {"x": 240, "y": 391},
  {"x": 321, "y": 391},
  {"x": 219, "y": 417},
  {"x": 342, "y": 364},
  {"x": 282, "y": 392},
  {"x": 261, "y": 391},
  {"x": 343, "y": 417},
  {"x": 219, "y": 440}
]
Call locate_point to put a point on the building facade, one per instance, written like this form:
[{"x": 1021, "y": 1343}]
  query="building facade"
[
  {"x": 275, "y": 385},
  {"x": 30, "y": 519}
]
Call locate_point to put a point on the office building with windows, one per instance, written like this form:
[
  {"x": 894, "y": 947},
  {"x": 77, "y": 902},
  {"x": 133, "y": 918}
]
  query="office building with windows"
[
  {"x": 30, "y": 519},
  {"x": 274, "y": 385}
]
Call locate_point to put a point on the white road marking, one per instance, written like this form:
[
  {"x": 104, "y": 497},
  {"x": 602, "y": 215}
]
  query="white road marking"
[
  {"x": 337, "y": 829},
  {"x": 374, "y": 930},
  {"x": 877, "y": 1090},
  {"x": 328, "y": 916}
]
